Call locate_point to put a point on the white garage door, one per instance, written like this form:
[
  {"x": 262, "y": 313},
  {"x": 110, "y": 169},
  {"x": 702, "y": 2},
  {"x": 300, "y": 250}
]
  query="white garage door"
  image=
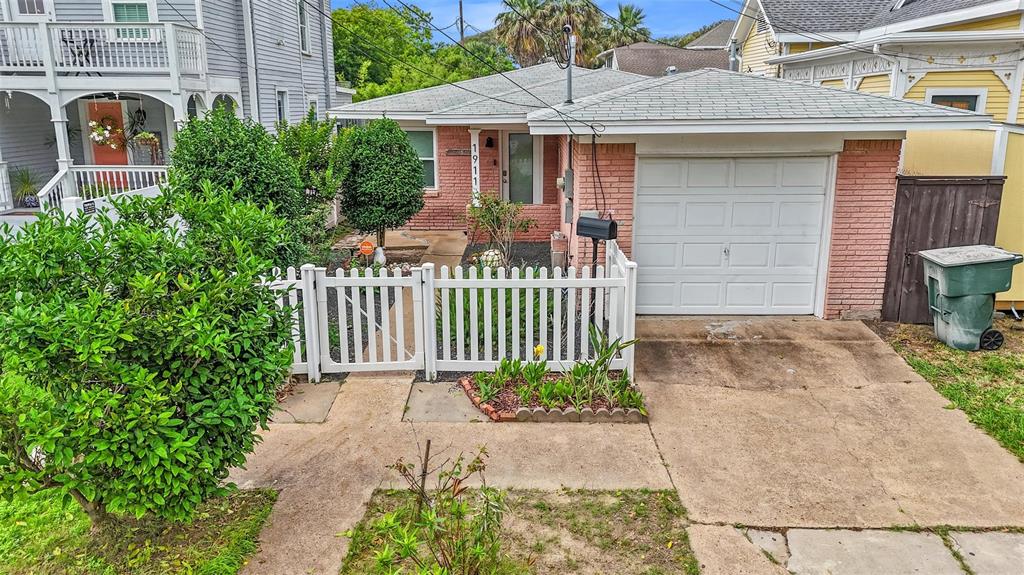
[{"x": 729, "y": 235}]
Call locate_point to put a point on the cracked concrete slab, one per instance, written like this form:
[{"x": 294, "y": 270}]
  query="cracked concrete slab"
[
  {"x": 723, "y": 550},
  {"x": 308, "y": 403},
  {"x": 991, "y": 553},
  {"x": 771, "y": 542},
  {"x": 441, "y": 402},
  {"x": 844, "y": 552}
]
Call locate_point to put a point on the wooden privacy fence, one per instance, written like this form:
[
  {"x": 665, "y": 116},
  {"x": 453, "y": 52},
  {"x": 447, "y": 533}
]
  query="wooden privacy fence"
[
  {"x": 934, "y": 213},
  {"x": 459, "y": 320}
]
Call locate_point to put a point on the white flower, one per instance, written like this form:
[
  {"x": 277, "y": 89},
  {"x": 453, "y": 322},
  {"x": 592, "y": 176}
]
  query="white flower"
[{"x": 93, "y": 123}]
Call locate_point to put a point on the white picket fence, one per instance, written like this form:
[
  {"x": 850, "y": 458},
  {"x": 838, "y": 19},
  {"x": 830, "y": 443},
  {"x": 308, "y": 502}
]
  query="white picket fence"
[{"x": 457, "y": 320}]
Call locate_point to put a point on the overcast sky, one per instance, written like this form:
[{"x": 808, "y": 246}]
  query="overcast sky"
[{"x": 664, "y": 17}]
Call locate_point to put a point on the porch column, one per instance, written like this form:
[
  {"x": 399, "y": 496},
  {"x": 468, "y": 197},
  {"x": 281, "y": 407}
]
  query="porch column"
[
  {"x": 60, "y": 131},
  {"x": 6, "y": 193},
  {"x": 180, "y": 115},
  {"x": 474, "y": 155}
]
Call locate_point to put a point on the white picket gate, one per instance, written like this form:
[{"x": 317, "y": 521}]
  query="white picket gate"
[{"x": 459, "y": 320}]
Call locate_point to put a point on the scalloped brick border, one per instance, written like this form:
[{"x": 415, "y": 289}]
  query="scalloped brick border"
[{"x": 541, "y": 415}]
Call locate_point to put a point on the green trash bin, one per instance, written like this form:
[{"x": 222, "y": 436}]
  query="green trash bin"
[{"x": 962, "y": 286}]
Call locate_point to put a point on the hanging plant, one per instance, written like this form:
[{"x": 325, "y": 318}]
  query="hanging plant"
[{"x": 106, "y": 132}]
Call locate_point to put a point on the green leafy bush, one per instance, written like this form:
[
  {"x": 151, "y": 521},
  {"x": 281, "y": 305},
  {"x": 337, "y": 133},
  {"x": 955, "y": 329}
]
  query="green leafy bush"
[
  {"x": 498, "y": 221},
  {"x": 139, "y": 357},
  {"x": 382, "y": 179},
  {"x": 226, "y": 150},
  {"x": 316, "y": 148}
]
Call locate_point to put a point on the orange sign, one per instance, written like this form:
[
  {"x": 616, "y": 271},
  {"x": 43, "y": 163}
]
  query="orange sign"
[{"x": 366, "y": 247}]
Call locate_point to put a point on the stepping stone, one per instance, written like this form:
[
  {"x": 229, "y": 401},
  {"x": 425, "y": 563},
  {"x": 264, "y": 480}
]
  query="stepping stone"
[
  {"x": 308, "y": 403},
  {"x": 771, "y": 542},
  {"x": 871, "y": 552},
  {"x": 445, "y": 402},
  {"x": 991, "y": 553}
]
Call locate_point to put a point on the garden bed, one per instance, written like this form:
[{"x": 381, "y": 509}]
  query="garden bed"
[
  {"x": 522, "y": 254},
  {"x": 589, "y": 393},
  {"x": 570, "y": 532}
]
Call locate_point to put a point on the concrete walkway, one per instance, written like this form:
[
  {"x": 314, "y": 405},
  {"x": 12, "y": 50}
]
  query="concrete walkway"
[{"x": 790, "y": 427}]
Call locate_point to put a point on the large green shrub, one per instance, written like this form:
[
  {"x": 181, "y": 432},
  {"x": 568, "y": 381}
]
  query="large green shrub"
[
  {"x": 316, "y": 148},
  {"x": 224, "y": 149},
  {"x": 382, "y": 185},
  {"x": 138, "y": 358}
]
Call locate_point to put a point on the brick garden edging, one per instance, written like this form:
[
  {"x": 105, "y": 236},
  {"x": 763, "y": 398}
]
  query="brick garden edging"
[{"x": 542, "y": 415}]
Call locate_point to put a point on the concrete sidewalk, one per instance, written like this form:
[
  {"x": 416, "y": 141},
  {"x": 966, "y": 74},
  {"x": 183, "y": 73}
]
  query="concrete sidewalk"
[{"x": 780, "y": 425}]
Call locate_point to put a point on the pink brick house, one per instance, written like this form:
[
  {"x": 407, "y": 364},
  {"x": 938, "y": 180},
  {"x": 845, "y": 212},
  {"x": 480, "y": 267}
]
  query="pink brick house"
[{"x": 735, "y": 194}]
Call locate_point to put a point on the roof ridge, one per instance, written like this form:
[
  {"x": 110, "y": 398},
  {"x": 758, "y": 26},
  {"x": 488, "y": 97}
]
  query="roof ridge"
[
  {"x": 607, "y": 95},
  {"x": 516, "y": 90}
]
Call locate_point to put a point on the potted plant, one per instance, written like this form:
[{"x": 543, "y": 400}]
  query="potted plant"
[{"x": 25, "y": 187}]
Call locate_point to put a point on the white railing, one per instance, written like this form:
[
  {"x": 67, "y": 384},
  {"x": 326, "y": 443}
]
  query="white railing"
[
  {"x": 70, "y": 48},
  {"x": 6, "y": 193},
  {"x": 95, "y": 182},
  {"x": 462, "y": 320}
]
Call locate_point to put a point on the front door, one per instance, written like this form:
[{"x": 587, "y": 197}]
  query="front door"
[
  {"x": 110, "y": 152},
  {"x": 520, "y": 168},
  {"x": 32, "y": 10}
]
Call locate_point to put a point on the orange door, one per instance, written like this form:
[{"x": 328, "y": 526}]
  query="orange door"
[{"x": 104, "y": 155}]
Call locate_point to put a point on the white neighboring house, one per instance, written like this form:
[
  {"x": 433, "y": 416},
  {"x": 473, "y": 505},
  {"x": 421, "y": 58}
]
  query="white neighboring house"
[{"x": 143, "y": 67}]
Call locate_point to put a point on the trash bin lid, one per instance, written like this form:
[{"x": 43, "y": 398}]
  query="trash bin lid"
[{"x": 966, "y": 255}]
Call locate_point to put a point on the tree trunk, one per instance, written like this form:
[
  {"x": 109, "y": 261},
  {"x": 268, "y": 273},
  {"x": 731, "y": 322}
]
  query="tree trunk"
[
  {"x": 380, "y": 236},
  {"x": 98, "y": 517}
]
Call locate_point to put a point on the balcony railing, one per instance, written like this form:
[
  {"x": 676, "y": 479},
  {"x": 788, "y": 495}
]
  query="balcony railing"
[
  {"x": 71, "y": 48},
  {"x": 95, "y": 182}
]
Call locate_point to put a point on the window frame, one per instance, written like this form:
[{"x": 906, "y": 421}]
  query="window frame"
[
  {"x": 279, "y": 108},
  {"x": 433, "y": 134},
  {"x": 151, "y": 13},
  {"x": 980, "y": 93},
  {"x": 303, "y": 17}
]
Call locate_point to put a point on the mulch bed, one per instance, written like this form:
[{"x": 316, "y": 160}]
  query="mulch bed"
[
  {"x": 523, "y": 254},
  {"x": 506, "y": 406}
]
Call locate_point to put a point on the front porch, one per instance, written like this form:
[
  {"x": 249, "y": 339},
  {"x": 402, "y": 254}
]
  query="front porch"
[{"x": 92, "y": 146}]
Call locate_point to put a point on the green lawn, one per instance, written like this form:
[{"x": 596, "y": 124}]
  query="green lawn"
[
  {"x": 987, "y": 385},
  {"x": 40, "y": 535},
  {"x": 628, "y": 532}
]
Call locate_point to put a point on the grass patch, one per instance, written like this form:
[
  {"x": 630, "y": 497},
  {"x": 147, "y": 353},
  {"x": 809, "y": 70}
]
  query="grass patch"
[
  {"x": 41, "y": 535},
  {"x": 639, "y": 532},
  {"x": 987, "y": 385}
]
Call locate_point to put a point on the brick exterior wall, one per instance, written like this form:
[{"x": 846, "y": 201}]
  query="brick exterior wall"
[
  {"x": 616, "y": 164},
  {"x": 444, "y": 208},
  {"x": 861, "y": 227}
]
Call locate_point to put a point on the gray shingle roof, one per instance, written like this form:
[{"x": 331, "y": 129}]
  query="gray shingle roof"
[
  {"x": 545, "y": 80},
  {"x": 721, "y": 95},
  {"x": 717, "y": 37},
  {"x": 584, "y": 83},
  {"x": 652, "y": 59},
  {"x": 823, "y": 16}
]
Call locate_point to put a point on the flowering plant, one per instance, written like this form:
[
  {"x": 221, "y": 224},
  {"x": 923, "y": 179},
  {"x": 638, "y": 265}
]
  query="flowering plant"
[{"x": 106, "y": 132}]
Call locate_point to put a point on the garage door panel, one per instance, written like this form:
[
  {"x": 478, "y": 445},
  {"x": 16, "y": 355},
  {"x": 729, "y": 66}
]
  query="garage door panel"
[
  {"x": 741, "y": 237},
  {"x": 661, "y": 173}
]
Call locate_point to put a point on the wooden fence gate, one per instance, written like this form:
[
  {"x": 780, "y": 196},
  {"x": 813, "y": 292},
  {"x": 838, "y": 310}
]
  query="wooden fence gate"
[{"x": 934, "y": 213}]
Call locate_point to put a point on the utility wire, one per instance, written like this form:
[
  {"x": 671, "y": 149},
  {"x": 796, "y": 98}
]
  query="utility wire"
[
  {"x": 363, "y": 40},
  {"x": 211, "y": 40},
  {"x": 545, "y": 35},
  {"x": 484, "y": 61}
]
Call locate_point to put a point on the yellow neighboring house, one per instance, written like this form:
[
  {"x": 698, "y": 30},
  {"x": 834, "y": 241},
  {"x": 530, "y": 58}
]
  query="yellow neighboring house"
[{"x": 967, "y": 54}]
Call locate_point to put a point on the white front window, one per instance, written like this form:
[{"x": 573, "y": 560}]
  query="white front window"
[
  {"x": 31, "y": 10},
  {"x": 130, "y": 11},
  {"x": 424, "y": 142},
  {"x": 972, "y": 99},
  {"x": 303, "y": 27}
]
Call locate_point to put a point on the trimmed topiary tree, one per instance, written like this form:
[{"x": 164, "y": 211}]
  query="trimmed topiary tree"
[
  {"x": 139, "y": 358},
  {"x": 382, "y": 178},
  {"x": 223, "y": 149}
]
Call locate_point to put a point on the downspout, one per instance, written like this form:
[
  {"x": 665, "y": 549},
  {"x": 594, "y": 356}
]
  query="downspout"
[
  {"x": 252, "y": 74},
  {"x": 328, "y": 59}
]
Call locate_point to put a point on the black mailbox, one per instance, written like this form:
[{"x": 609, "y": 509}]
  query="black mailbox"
[{"x": 596, "y": 228}]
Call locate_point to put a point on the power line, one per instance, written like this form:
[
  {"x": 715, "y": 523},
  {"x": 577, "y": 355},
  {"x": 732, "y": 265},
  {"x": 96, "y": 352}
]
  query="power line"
[
  {"x": 484, "y": 61},
  {"x": 545, "y": 35},
  {"x": 201, "y": 32},
  {"x": 393, "y": 58}
]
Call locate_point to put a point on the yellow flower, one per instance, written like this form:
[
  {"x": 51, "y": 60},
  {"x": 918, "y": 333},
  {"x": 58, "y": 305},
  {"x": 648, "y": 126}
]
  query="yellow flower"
[{"x": 538, "y": 351}]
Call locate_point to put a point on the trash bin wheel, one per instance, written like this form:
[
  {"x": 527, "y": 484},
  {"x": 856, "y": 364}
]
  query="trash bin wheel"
[{"x": 991, "y": 340}]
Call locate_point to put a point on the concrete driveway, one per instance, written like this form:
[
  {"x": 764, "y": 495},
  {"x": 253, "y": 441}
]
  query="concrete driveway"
[{"x": 804, "y": 423}]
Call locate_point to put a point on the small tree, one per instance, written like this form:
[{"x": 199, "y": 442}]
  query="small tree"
[
  {"x": 498, "y": 221},
  {"x": 222, "y": 149},
  {"x": 138, "y": 360},
  {"x": 382, "y": 179}
]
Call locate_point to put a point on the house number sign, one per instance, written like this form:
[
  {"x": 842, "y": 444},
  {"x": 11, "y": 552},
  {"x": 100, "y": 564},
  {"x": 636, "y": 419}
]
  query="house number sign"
[{"x": 474, "y": 156}]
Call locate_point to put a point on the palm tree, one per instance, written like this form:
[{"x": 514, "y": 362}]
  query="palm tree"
[
  {"x": 628, "y": 27},
  {"x": 524, "y": 41},
  {"x": 585, "y": 19}
]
